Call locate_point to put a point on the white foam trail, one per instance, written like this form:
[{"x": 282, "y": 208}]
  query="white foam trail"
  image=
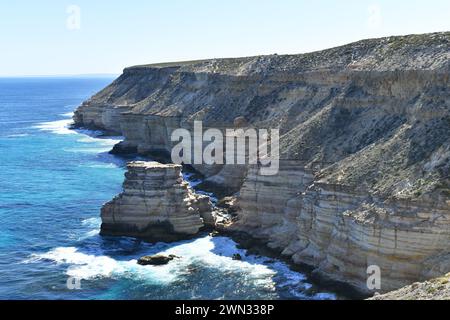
[
  {"x": 104, "y": 142},
  {"x": 87, "y": 150},
  {"x": 90, "y": 234},
  {"x": 100, "y": 166},
  {"x": 57, "y": 127},
  {"x": 92, "y": 222},
  {"x": 95, "y": 145},
  {"x": 62, "y": 127},
  {"x": 17, "y": 135}
]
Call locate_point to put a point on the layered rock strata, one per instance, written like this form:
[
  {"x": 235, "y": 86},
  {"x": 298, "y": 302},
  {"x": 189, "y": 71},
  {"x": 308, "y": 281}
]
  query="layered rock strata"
[
  {"x": 342, "y": 231},
  {"x": 156, "y": 204}
]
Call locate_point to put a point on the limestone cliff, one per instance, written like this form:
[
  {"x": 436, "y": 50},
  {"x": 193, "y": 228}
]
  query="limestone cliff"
[
  {"x": 156, "y": 204},
  {"x": 365, "y": 147},
  {"x": 341, "y": 231}
]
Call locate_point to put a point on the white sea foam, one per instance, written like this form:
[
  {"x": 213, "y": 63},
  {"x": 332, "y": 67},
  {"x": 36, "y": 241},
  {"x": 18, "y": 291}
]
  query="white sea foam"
[
  {"x": 93, "y": 222},
  {"x": 89, "y": 234},
  {"x": 87, "y": 150},
  {"x": 88, "y": 266},
  {"x": 103, "y": 141},
  {"x": 102, "y": 166},
  {"x": 94, "y": 145},
  {"x": 215, "y": 253},
  {"x": 17, "y": 135},
  {"x": 67, "y": 115},
  {"x": 57, "y": 127},
  {"x": 88, "y": 136}
]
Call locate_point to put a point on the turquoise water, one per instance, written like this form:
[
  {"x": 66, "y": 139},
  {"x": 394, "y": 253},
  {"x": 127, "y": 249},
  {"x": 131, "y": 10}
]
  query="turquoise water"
[{"x": 53, "y": 182}]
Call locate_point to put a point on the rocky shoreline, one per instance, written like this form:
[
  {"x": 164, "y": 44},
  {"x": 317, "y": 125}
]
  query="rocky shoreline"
[{"x": 364, "y": 146}]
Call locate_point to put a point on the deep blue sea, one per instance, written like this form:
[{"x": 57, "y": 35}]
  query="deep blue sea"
[{"x": 53, "y": 182}]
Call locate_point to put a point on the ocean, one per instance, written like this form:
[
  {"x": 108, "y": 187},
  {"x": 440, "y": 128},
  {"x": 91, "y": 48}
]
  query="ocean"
[{"x": 53, "y": 182}]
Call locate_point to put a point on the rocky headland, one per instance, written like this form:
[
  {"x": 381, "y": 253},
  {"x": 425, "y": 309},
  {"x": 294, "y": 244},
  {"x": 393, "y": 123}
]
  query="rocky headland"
[{"x": 364, "y": 148}]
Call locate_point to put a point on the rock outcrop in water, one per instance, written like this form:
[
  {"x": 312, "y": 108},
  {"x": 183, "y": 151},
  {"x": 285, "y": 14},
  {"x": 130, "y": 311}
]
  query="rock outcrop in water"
[
  {"x": 156, "y": 260},
  {"x": 156, "y": 204},
  {"x": 364, "y": 142}
]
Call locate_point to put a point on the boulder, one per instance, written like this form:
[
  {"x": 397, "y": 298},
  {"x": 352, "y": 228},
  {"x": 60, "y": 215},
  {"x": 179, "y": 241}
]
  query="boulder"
[
  {"x": 156, "y": 260},
  {"x": 237, "y": 256}
]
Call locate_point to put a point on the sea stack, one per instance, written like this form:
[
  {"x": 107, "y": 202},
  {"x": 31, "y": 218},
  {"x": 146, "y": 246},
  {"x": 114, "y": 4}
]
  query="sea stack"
[{"x": 156, "y": 205}]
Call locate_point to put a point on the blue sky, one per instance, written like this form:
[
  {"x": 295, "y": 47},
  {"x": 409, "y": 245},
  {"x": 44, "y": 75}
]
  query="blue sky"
[{"x": 49, "y": 37}]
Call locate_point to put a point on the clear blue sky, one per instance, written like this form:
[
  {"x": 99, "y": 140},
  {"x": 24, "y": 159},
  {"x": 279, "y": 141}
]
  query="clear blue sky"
[{"x": 43, "y": 38}]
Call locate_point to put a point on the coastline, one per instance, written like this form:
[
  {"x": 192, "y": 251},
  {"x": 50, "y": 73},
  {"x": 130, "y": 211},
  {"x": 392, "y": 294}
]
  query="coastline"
[{"x": 363, "y": 163}]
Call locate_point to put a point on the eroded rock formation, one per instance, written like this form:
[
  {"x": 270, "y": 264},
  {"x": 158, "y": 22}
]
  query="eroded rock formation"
[{"x": 156, "y": 204}]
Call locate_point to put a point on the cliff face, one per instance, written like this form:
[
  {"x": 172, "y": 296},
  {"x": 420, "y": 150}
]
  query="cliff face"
[
  {"x": 156, "y": 204},
  {"x": 364, "y": 143},
  {"x": 341, "y": 231}
]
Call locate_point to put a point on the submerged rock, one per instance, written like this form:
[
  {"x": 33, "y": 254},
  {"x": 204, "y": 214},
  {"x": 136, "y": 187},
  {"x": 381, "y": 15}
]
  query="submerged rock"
[
  {"x": 237, "y": 256},
  {"x": 156, "y": 260},
  {"x": 214, "y": 233},
  {"x": 156, "y": 204}
]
